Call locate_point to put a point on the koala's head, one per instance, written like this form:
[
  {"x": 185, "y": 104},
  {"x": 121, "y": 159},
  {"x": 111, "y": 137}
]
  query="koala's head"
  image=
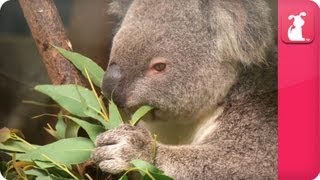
[{"x": 182, "y": 56}]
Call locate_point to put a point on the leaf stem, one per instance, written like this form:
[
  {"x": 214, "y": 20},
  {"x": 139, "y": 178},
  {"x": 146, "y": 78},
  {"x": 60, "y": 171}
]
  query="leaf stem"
[
  {"x": 139, "y": 169},
  {"x": 15, "y": 137},
  {"x": 41, "y": 115},
  {"x": 104, "y": 114},
  {"x": 88, "y": 176},
  {"x": 39, "y": 104},
  {"x": 19, "y": 171},
  {"x": 61, "y": 166}
]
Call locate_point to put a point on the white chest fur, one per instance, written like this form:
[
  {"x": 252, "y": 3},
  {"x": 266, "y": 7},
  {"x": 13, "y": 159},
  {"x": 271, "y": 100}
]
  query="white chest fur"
[{"x": 195, "y": 133}]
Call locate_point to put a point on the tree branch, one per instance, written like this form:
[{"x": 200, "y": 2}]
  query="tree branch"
[{"x": 47, "y": 30}]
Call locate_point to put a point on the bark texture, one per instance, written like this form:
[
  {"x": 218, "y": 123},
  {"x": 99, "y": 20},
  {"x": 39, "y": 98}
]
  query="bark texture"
[{"x": 47, "y": 30}]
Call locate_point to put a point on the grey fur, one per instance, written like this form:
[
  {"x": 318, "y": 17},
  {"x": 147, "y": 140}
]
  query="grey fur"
[{"x": 217, "y": 66}]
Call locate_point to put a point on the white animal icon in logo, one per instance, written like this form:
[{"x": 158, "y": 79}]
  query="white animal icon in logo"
[
  {"x": 295, "y": 30},
  {"x": 1, "y": 3},
  {"x": 318, "y": 3},
  {"x": 318, "y": 177}
]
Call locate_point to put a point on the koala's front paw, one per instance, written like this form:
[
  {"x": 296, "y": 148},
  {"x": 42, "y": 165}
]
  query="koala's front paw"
[{"x": 116, "y": 148}]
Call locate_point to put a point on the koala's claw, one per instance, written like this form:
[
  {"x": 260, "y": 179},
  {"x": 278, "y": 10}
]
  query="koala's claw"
[{"x": 116, "y": 148}]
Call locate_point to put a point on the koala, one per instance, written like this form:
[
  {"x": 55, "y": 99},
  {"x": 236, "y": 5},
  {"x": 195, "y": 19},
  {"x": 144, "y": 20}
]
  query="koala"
[{"x": 208, "y": 68}]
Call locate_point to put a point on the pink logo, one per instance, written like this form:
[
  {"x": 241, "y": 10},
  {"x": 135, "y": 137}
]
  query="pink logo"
[
  {"x": 298, "y": 25},
  {"x": 295, "y": 30}
]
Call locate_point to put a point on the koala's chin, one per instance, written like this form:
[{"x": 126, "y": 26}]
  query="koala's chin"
[
  {"x": 161, "y": 116},
  {"x": 155, "y": 115}
]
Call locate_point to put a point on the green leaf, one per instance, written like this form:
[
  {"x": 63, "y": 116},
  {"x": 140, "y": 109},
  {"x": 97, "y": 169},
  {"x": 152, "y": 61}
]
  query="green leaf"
[
  {"x": 145, "y": 166},
  {"x": 4, "y": 134},
  {"x": 115, "y": 119},
  {"x": 51, "y": 131},
  {"x": 15, "y": 146},
  {"x": 72, "y": 129},
  {"x": 67, "y": 97},
  {"x": 123, "y": 177},
  {"x": 3, "y": 167},
  {"x": 45, "y": 178},
  {"x": 143, "y": 110},
  {"x": 160, "y": 176},
  {"x": 61, "y": 126},
  {"x": 44, "y": 164},
  {"x": 92, "y": 130},
  {"x": 95, "y": 116},
  {"x": 11, "y": 175},
  {"x": 76, "y": 99},
  {"x": 52, "y": 177},
  {"x": 82, "y": 62},
  {"x": 36, "y": 172},
  {"x": 65, "y": 151},
  {"x": 58, "y": 173}
]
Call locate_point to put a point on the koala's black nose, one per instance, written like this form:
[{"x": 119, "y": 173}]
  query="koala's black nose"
[{"x": 111, "y": 84}]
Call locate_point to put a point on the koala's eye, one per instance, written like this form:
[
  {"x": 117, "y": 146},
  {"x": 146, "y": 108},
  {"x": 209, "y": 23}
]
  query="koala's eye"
[{"x": 159, "y": 67}]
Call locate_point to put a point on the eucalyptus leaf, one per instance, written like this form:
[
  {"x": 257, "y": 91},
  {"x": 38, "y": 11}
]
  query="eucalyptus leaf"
[
  {"x": 44, "y": 164},
  {"x": 143, "y": 110},
  {"x": 61, "y": 126},
  {"x": 58, "y": 173},
  {"x": 72, "y": 129},
  {"x": 151, "y": 169},
  {"x": 11, "y": 175},
  {"x": 97, "y": 117},
  {"x": 76, "y": 99},
  {"x": 52, "y": 132},
  {"x": 92, "y": 130},
  {"x": 16, "y": 146},
  {"x": 52, "y": 177},
  {"x": 3, "y": 167},
  {"x": 68, "y": 98},
  {"x": 36, "y": 172},
  {"x": 81, "y": 62},
  {"x": 145, "y": 166},
  {"x": 115, "y": 118},
  {"x": 65, "y": 151},
  {"x": 123, "y": 177},
  {"x": 157, "y": 176},
  {"x": 45, "y": 178}
]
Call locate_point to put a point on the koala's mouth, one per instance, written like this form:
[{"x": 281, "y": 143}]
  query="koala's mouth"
[
  {"x": 157, "y": 114},
  {"x": 153, "y": 113}
]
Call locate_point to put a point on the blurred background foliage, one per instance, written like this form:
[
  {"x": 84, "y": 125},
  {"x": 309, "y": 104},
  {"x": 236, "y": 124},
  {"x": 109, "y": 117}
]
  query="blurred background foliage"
[{"x": 88, "y": 27}]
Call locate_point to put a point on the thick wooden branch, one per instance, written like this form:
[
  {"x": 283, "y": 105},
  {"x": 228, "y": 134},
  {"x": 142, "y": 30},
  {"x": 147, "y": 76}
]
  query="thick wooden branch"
[{"x": 47, "y": 30}]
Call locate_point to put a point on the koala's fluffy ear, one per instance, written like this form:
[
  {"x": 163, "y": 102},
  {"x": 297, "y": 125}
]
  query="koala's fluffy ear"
[
  {"x": 243, "y": 30},
  {"x": 119, "y": 7}
]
